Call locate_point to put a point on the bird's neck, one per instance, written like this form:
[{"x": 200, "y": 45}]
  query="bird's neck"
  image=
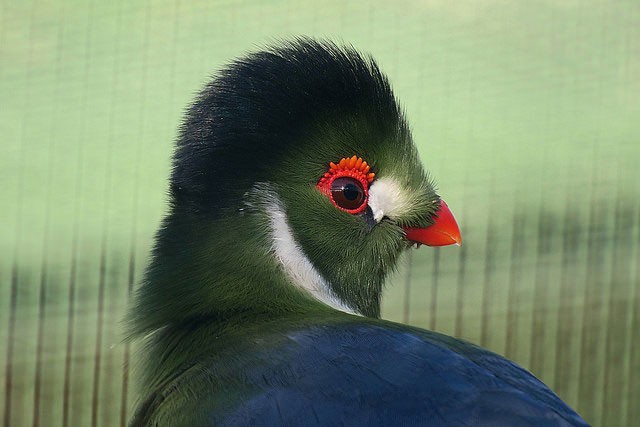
[
  {"x": 215, "y": 271},
  {"x": 207, "y": 278},
  {"x": 178, "y": 352},
  {"x": 212, "y": 279}
]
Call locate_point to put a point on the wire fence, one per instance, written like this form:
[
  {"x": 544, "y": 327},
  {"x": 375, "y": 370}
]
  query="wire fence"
[{"x": 525, "y": 113}]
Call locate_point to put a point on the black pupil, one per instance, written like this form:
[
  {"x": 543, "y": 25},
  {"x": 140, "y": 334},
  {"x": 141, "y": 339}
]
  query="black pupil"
[{"x": 351, "y": 192}]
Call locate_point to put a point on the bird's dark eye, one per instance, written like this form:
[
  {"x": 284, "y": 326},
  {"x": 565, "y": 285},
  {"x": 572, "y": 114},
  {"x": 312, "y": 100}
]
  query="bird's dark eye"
[
  {"x": 346, "y": 183},
  {"x": 348, "y": 193}
]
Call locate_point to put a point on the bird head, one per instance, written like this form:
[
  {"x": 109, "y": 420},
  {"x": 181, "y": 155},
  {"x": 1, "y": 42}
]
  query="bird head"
[{"x": 296, "y": 186}]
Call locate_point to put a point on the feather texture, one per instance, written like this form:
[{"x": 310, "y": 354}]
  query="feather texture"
[{"x": 243, "y": 308}]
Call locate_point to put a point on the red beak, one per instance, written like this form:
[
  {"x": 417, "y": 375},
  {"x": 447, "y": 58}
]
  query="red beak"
[{"x": 444, "y": 231}]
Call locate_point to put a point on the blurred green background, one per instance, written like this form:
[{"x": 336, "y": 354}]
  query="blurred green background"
[{"x": 527, "y": 114}]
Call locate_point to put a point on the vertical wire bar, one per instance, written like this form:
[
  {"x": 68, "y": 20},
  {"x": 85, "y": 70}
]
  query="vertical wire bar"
[
  {"x": 12, "y": 287},
  {"x": 433, "y": 303},
  {"x": 633, "y": 328},
  {"x": 73, "y": 273},
  {"x": 630, "y": 411},
  {"x": 619, "y": 292},
  {"x": 517, "y": 247},
  {"x": 567, "y": 340},
  {"x": 538, "y": 353},
  {"x": 407, "y": 289},
  {"x": 8, "y": 381},
  {"x": 462, "y": 266},
  {"x": 593, "y": 310},
  {"x": 488, "y": 277},
  {"x": 66, "y": 392},
  {"x": 97, "y": 358},
  {"x": 126, "y": 371},
  {"x": 42, "y": 297},
  {"x": 13, "y": 305},
  {"x": 46, "y": 238},
  {"x": 104, "y": 243}
]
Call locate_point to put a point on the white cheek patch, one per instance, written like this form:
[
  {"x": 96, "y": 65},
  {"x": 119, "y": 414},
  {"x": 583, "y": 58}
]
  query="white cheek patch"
[
  {"x": 387, "y": 198},
  {"x": 296, "y": 264}
]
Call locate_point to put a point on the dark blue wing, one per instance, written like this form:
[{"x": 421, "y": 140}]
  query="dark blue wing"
[{"x": 387, "y": 374}]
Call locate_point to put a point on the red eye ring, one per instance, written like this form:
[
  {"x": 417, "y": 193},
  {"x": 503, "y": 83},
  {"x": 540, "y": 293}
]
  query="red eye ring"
[{"x": 350, "y": 194}]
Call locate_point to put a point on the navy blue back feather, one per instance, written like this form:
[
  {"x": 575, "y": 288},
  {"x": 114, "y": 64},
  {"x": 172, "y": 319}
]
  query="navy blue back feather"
[{"x": 372, "y": 375}]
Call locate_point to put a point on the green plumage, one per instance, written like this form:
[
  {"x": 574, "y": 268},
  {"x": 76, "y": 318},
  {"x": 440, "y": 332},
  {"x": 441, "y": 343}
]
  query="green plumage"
[
  {"x": 269, "y": 125},
  {"x": 235, "y": 309}
]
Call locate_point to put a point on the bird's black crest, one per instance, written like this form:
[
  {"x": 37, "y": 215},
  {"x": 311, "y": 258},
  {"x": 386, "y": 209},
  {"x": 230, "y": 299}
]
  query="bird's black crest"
[{"x": 250, "y": 114}]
